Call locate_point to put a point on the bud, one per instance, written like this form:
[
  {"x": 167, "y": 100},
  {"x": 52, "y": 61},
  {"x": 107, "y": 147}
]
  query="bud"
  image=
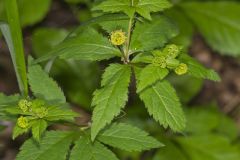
[
  {"x": 157, "y": 53},
  {"x": 22, "y": 122},
  {"x": 24, "y": 105},
  {"x": 172, "y": 50},
  {"x": 159, "y": 61},
  {"x": 181, "y": 69},
  {"x": 118, "y": 37},
  {"x": 172, "y": 63},
  {"x": 41, "y": 112}
]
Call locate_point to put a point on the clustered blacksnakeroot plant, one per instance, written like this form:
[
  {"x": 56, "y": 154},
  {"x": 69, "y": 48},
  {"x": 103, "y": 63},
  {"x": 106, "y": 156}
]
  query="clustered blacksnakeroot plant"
[{"x": 124, "y": 29}]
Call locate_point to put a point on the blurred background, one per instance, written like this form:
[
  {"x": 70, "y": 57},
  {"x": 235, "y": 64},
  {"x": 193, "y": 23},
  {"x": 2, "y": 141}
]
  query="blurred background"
[{"x": 211, "y": 32}]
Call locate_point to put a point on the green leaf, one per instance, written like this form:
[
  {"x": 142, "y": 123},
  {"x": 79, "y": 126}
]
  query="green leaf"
[
  {"x": 127, "y": 137},
  {"x": 84, "y": 149},
  {"x": 198, "y": 70},
  {"x": 149, "y": 75},
  {"x": 17, "y": 131},
  {"x": 38, "y": 127},
  {"x": 54, "y": 146},
  {"x": 150, "y": 35},
  {"x": 209, "y": 147},
  {"x": 13, "y": 36},
  {"x": 43, "y": 86},
  {"x": 111, "y": 98},
  {"x": 88, "y": 45},
  {"x": 163, "y": 104},
  {"x": 59, "y": 113},
  {"x": 218, "y": 22},
  {"x": 143, "y": 7},
  {"x": 8, "y": 100}
]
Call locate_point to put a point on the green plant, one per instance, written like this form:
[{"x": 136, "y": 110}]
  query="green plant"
[{"x": 138, "y": 38}]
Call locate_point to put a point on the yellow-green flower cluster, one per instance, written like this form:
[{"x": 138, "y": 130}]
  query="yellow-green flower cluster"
[
  {"x": 22, "y": 122},
  {"x": 118, "y": 37},
  {"x": 167, "y": 58}
]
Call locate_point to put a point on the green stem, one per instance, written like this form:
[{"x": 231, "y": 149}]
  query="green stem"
[{"x": 18, "y": 57}]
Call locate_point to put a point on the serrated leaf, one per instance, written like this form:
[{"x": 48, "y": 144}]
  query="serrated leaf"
[
  {"x": 88, "y": 45},
  {"x": 7, "y": 100},
  {"x": 163, "y": 104},
  {"x": 198, "y": 70},
  {"x": 38, "y": 127},
  {"x": 149, "y": 75},
  {"x": 111, "y": 98},
  {"x": 209, "y": 147},
  {"x": 84, "y": 149},
  {"x": 143, "y": 58},
  {"x": 218, "y": 22},
  {"x": 143, "y": 7},
  {"x": 150, "y": 35},
  {"x": 54, "y": 146},
  {"x": 127, "y": 137},
  {"x": 43, "y": 86},
  {"x": 17, "y": 131}
]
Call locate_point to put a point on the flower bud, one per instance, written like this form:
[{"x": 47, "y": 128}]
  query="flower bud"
[
  {"x": 181, "y": 69},
  {"x": 41, "y": 112},
  {"x": 22, "y": 122},
  {"x": 118, "y": 37},
  {"x": 172, "y": 50},
  {"x": 24, "y": 105},
  {"x": 160, "y": 61}
]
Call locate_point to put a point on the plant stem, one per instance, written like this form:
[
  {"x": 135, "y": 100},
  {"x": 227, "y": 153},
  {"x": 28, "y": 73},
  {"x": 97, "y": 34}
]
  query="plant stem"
[
  {"x": 128, "y": 39},
  {"x": 17, "y": 53}
]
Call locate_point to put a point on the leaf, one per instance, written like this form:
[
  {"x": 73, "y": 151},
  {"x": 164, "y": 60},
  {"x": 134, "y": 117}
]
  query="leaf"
[
  {"x": 13, "y": 36},
  {"x": 54, "y": 146},
  {"x": 150, "y": 35},
  {"x": 8, "y": 100},
  {"x": 149, "y": 75},
  {"x": 58, "y": 113},
  {"x": 209, "y": 147},
  {"x": 127, "y": 137},
  {"x": 88, "y": 45},
  {"x": 43, "y": 86},
  {"x": 38, "y": 127},
  {"x": 111, "y": 98},
  {"x": 163, "y": 104},
  {"x": 218, "y": 22},
  {"x": 143, "y": 7},
  {"x": 198, "y": 70},
  {"x": 84, "y": 149},
  {"x": 17, "y": 131}
]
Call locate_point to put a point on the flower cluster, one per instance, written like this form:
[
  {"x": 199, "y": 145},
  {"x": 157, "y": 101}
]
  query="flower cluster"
[
  {"x": 167, "y": 58},
  {"x": 118, "y": 37},
  {"x": 35, "y": 108}
]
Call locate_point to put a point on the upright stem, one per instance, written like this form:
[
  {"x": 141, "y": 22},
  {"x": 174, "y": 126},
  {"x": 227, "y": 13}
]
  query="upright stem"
[{"x": 17, "y": 54}]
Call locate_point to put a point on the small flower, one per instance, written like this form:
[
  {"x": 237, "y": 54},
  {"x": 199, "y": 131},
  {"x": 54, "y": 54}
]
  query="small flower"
[
  {"x": 118, "y": 37},
  {"x": 22, "y": 122},
  {"x": 41, "y": 112},
  {"x": 160, "y": 61},
  {"x": 181, "y": 69},
  {"x": 172, "y": 50},
  {"x": 24, "y": 105}
]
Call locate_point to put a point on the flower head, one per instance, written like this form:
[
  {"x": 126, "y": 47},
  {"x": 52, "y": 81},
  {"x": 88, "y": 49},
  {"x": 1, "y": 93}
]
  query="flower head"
[
  {"x": 24, "y": 105},
  {"x": 160, "y": 61},
  {"x": 172, "y": 50},
  {"x": 22, "y": 122},
  {"x": 118, "y": 37},
  {"x": 41, "y": 112},
  {"x": 181, "y": 69}
]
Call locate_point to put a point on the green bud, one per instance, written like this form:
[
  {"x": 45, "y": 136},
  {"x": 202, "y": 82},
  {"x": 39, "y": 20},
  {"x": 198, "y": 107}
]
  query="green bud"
[
  {"x": 157, "y": 53},
  {"x": 172, "y": 50},
  {"x": 159, "y": 61},
  {"x": 172, "y": 63},
  {"x": 24, "y": 105},
  {"x": 22, "y": 122},
  {"x": 41, "y": 112},
  {"x": 181, "y": 69}
]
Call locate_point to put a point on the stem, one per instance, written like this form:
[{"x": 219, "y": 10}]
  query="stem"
[
  {"x": 128, "y": 39},
  {"x": 17, "y": 52}
]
